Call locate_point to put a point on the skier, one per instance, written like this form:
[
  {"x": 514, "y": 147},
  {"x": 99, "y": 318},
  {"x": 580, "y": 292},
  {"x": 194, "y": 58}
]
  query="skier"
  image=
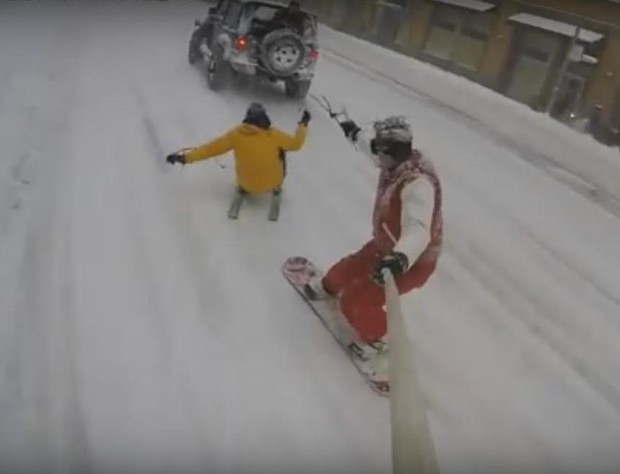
[
  {"x": 407, "y": 234},
  {"x": 259, "y": 150}
]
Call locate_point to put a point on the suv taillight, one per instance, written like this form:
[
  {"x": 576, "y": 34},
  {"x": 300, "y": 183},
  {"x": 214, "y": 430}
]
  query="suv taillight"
[
  {"x": 241, "y": 43},
  {"x": 313, "y": 54}
]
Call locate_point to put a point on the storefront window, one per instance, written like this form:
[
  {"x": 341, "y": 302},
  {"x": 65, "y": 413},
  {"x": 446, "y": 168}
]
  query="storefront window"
[
  {"x": 443, "y": 32},
  {"x": 474, "y": 35},
  {"x": 535, "y": 56},
  {"x": 528, "y": 80},
  {"x": 458, "y": 35},
  {"x": 615, "y": 115},
  {"x": 389, "y": 21}
]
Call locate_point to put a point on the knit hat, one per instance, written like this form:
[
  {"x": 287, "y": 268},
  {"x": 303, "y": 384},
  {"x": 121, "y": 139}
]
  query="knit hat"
[
  {"x": 257, "y": 115},
  {"x": 394, "y": 129}
]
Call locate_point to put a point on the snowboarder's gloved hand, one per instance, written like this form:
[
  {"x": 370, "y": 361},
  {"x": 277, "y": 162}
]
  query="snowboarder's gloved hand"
[
  {"x": 305, "y": 118},
  {"x": 176, "y": 157},
  {"x": 395, "y": 262},
  {"x": 350, "y": 129}
]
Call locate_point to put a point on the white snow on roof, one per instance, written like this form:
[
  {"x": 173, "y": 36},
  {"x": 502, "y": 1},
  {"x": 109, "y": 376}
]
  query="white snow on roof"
[
  {"x": 471, "y": 4},
  {"x": 555, "y": 26}
]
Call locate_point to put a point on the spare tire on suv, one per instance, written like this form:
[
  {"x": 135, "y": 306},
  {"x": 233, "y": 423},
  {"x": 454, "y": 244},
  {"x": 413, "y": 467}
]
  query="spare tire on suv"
[{"x": 282, "y": 52}]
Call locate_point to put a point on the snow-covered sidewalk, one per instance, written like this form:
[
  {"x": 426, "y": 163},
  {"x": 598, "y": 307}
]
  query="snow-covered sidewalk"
[{"x": 536, "y": 136}]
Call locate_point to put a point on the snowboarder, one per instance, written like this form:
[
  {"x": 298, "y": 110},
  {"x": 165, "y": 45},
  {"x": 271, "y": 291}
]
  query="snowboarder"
[
  {"x": 259, "y": 150},
  {"x": 407, "y": 232}
]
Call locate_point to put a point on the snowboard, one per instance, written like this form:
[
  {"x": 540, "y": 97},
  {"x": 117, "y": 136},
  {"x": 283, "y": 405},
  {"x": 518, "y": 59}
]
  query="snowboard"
[{"x": 369, "y": 361}]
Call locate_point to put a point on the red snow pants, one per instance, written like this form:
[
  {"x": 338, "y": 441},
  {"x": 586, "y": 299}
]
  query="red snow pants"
[{"x": 362, "y": 301}]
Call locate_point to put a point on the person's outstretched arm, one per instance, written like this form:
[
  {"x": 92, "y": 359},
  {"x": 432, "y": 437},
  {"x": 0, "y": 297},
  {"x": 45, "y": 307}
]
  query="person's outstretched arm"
[
  {"x": 294, "y": 142},
  {"x": 216, "y": 147}
]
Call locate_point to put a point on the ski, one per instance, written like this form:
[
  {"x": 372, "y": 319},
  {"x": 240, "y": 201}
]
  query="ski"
[
  {"x": 239, "y": 197},
  {"x": 235, "y": 206},
  {"x": 370, "y": 361},
  {"x": 274, "y": 210}
]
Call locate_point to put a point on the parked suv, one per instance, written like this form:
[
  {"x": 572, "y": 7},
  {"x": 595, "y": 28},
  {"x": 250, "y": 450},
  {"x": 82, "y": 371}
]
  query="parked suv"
[{"x": 259, "y": 38}]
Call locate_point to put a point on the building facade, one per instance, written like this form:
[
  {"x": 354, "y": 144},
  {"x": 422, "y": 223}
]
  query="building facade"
[{"x": 560, "y": 56}]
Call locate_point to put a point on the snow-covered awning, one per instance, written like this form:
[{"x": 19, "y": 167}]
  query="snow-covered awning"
[
  {"x": 555, "y": 26},
  {"x": 476, "y": 5}
]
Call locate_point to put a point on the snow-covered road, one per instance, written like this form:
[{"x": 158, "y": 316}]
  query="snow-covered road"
[{"x": 143, "y": 331}]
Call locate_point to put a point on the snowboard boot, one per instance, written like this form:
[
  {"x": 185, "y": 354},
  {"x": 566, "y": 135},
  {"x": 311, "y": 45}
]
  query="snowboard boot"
[
  {"x": 374, "y": 357},
  {"x": 368, "y": 351},
  {"x": 379, "y": 373},
  {"x": 315, "y": 291}
]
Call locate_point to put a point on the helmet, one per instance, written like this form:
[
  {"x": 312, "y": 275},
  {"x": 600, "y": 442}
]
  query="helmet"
[
  {"x": 394, "y": 128},
  {"x": 257, "y": 115},
  {"x": 391, "y": 133}
]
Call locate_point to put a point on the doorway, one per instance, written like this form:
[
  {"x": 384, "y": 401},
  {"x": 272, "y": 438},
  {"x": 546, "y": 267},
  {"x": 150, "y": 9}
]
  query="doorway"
[{"x": 390, "y": 17}]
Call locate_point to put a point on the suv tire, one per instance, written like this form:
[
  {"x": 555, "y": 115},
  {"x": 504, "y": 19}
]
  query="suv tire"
[
  {"x": 218, "y": 70},
  {"x": 282, "y": 52},
  {"x": 297, "y": 89},
  {"x": 193, "y": 53}
]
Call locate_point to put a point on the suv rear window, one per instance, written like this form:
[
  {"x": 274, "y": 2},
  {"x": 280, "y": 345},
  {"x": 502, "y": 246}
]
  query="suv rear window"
[
  {"x": 232, "y": 15},
  {"x": 264, "y": 13},
  {"x": 261, "y": 15}
]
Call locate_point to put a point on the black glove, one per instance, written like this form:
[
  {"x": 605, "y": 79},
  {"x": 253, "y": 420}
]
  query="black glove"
[
  {"x": 305, "y": 118},
  {"x": 176, "y": 157},
  {"x": 350, "y": 129},
  {"x": 395, "y": 262}
]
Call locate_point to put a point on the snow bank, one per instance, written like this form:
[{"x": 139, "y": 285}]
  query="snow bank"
[{"x": 537, "y": 137}]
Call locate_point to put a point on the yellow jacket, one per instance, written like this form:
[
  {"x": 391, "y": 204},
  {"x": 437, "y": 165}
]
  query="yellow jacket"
[{"x": 258, "y": 165}]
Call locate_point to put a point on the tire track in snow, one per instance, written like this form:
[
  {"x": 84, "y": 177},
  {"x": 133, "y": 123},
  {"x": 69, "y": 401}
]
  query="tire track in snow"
[
  {"x": 567, "y": 375},
  {"x": 200, "y": 263},
  {"x": 487, "y": 417},
  {"x": 584, "y": 277},
  {"x": 44, "y": 346},
  {"x": 513, "y": 290},
  {"x": 163, "y": 332},
  {"x": 150, "y": 129},
  {"x": 208, "y": 297},
  {"x": 73, "y": 422},
  {"x": 177, "y": 351},
  {"x": 548, "y": 329},
  {"x": 19, "y": 152},
  {"x": 43, "y": 421}
]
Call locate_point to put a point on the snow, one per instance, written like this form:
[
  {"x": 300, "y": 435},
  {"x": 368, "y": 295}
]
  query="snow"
[
  {"x": 471, "y": 4},
  {"x": 533, "y": 135},
  {"x": 554, "y": 26},
  {"x": 143, "y": 331}
]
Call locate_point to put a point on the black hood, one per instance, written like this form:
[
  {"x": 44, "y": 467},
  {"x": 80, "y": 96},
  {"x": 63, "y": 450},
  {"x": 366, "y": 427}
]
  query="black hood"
[{"x": 257, "y": 115}]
